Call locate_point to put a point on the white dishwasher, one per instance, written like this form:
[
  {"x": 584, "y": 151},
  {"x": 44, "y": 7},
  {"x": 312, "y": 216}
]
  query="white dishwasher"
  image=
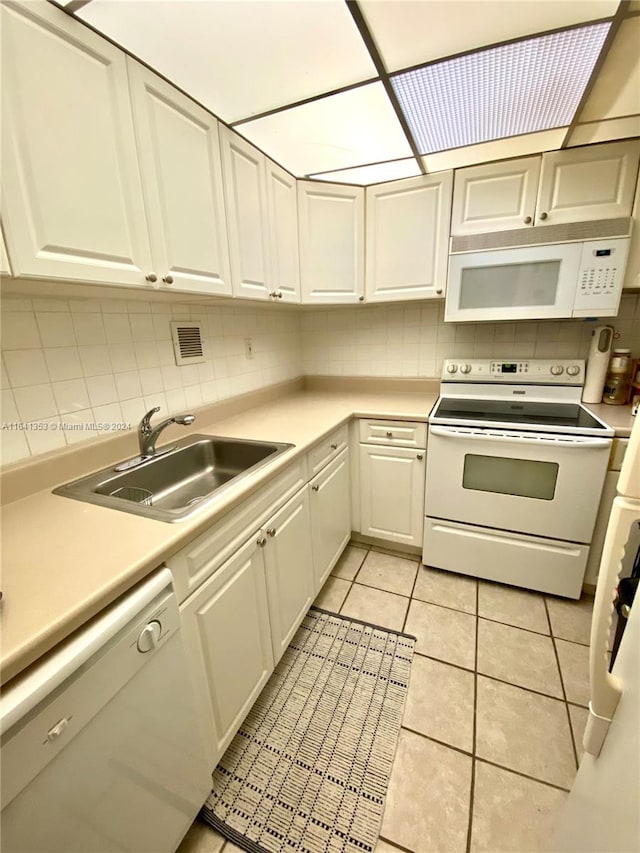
[{"x": 102, "y": 747}]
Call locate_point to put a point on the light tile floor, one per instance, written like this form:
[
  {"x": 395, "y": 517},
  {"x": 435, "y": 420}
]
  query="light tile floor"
[{"x": 496, "y": 708}]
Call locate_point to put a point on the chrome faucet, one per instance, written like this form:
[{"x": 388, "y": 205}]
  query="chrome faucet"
[{"x": 148, "y": 435}]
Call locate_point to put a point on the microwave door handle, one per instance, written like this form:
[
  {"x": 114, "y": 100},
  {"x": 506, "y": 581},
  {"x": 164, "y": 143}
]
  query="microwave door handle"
[{"x": 586, "y": 443}]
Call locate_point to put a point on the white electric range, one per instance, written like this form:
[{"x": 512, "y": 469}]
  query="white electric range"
[{"x": 515, "y": 468}]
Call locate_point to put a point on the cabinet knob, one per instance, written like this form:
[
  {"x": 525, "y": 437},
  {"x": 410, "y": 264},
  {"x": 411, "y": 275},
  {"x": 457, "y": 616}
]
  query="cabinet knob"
[
  {"x": 420, "y": 456},
  {"x": 543, "y": 215},
  {"x": 168, "y": 279},
  {"x": 273, "y": 294},
  {"x": 316, "y": 488},
  {"x": 527, "y": 220},
  {"x": 262, "y": 541},
  {"x": 360, "y": 298},
  {"x": 271, "y": 531},
  {"x": 334, "y": 446},
  {"x": 389, "y": 435},
  {"x": 279, "y": 294},
  {"x": 439, "y": 291},
  {"x": 151, "y": 276}
]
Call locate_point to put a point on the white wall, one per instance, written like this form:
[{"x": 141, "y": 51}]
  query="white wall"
[
  {"x": 109, "y": 361},
  {"x": 412, "y": 339}
]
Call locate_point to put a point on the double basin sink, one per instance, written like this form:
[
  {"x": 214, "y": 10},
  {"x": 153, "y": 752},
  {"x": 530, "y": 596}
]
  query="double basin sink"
[{"x": 175, "y": 483}]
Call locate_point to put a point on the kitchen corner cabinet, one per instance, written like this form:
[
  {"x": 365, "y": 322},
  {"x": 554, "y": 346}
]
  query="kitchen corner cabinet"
[
  {"x": 558, "y": 187},
  {"x": 331, "y": 228},
  {"x": 72, "y": 196},
  {"x": 227, "y": 631},
  {"x": 407, "y": 238},
  {"x": 179, "y": 153},
  {"x": 330, "y": 494},
  {"x": 289, "y": 569}
]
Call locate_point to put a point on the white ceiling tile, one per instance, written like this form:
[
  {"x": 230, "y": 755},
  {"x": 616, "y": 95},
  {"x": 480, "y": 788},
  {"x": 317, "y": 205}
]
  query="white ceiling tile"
[
  {"x": 616, "y": 91},
  {"x": 240, "y": 57},
  {"x": 374, "y": 174},
  {"x": 408, "y": 33},
  {"x": 351, "y": 129},
  {"x": 498, "y": 149},
  {"x": 603, "y": 131}
]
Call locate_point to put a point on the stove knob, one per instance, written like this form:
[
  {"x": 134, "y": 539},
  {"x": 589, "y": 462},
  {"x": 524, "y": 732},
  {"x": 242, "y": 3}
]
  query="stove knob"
[
  {"x": 557, "y": 369},
  {"x": 465, "y": 368},
  {"x": 452, "y": 368},
  {"x": 573, "y": 370}
]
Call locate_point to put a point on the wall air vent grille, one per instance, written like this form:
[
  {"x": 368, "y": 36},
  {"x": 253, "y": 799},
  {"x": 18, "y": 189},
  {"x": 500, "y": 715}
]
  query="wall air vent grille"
[{"x": 187, "y": 342}]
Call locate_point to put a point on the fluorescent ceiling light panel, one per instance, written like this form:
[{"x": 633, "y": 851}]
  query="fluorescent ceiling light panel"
[
  {"x": 240, "y": 57},
  {"x": 374, "y": 174},
  {"x": 340, "y": 131},
  {"x": 516, "y": 88},
  {"x": 409, "y": 33}
]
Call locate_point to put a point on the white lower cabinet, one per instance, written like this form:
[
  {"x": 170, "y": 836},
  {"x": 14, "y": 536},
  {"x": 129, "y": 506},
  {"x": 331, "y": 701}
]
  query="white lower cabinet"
[
  {"x": 289, "y": 569},
  {"x": 227, "y": 630},
  {"x": 330, "y": 515},
  {"x": 392, "y": 493}
]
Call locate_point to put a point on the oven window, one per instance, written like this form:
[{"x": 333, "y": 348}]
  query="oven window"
[
  {"x": 505, "y": 476},
  {"x": 510, "y": 285}
]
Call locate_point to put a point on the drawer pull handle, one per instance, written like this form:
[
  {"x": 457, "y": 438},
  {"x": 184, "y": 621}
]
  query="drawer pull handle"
[
  {"x": 420, "y": 456},
  {"x": 334, "y": 446},
  {"x": 389, "y": 435},
  {"x": 262, "y": 541},
  {"x": 271, "y": 531},
  {"x": 316, "y": 488}
]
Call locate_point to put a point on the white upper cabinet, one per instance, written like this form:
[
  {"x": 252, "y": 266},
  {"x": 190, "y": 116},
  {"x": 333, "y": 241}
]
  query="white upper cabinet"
[
  {"x": 573, "y": 185},
  {"x": 244, "y": 171},
  {"x": 73, "y": 205},
  {"x": 407, "y": 238},
  {"x": 5, "y": 267},
  {"x": 282, "y": 200},
  {"x": 582, "y": 184},
  {"x": 179, "y": 152},
  {"x": 495, "y": 197},
  {"x": 331, "y": 224}
]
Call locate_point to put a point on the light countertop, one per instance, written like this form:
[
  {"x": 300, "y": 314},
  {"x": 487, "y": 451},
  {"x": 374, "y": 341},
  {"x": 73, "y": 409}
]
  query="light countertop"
[{"x": 63, "y": 560}]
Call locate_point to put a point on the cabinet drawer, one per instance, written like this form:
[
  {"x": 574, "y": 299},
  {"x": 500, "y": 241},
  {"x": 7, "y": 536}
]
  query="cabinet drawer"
[
  {"x": 326, "y": 449},
  {"x": 192, "y": 565},
  {"x": 395, "y": 433}
]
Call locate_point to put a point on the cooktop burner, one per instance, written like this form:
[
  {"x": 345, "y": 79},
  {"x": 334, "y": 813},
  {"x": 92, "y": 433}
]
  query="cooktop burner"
[{"x": 521, "y": 413}]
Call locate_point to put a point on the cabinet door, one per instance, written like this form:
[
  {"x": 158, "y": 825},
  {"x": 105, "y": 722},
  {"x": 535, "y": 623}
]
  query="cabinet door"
[
  {"x": 392, "y": 493},
  {"x": 72, "y": 193},
  {"x": 330, "y": 515},
  {"x": 5, "y": 267},
  {"x": 495, "y": 197},
  {"x": 331, "y": 221},
  {"x": 182, "y": 178},
  {"x": 407, "y": 242},
  {"x": 289, "y": 569},
  {"x": 283, "y": 232},
  {"x": 582, "y": 184},
  {"x": 247, "y": 216},
  {"x": 230, "y": 616}
]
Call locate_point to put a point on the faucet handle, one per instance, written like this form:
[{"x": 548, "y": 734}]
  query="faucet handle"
[{"x": 145, "y": 423}]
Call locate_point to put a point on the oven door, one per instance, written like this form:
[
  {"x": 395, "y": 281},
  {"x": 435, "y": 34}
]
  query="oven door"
[{"x": 536, "y": 483}]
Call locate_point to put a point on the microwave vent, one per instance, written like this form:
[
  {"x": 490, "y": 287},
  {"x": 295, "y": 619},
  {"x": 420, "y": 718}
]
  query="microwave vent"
[
  {"x": 542, "y": 235},
  {"x": 187, "y": 342}
]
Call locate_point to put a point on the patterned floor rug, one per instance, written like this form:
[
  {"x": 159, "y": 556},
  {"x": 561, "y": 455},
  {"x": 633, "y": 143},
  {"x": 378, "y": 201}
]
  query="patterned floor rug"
[{"x": 308, "y": 771}]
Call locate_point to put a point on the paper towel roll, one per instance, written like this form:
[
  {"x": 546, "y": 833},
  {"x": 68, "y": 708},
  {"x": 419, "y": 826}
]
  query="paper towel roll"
[{"x": 597, "y": 364}]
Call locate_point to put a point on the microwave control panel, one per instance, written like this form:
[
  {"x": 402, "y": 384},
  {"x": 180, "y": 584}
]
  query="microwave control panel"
[{"x": 600, "y": 278}]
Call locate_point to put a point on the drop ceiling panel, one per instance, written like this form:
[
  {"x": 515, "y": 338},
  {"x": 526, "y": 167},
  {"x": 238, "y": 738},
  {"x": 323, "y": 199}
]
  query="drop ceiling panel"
[
  {"x": 375, "y": 174},
  {"x": 240, "y": 58},
  {"x": 499, "y": 149},
  {"x": 410, "y": 33},
  {"x": 353, "y": 128},
  {"x": 603, "y": 131},
  {"x": 616, "y": 91}
]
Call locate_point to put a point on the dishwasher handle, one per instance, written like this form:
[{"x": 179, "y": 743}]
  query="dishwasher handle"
[{"x": 540, "y": 440}]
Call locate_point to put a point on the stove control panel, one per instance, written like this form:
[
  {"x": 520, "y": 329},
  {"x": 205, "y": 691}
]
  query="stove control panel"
[{"x": 540, "y": 371}]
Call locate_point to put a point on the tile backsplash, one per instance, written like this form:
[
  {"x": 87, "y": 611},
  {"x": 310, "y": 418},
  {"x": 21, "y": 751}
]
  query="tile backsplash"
[
  {"x": 91, "y": 361},
  {"x": 411, "y": 340},
  {"x": 107, "y": 361}
]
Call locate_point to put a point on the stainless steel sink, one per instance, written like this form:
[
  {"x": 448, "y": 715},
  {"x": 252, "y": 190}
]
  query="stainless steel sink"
[{"x": 173, "y": 485}]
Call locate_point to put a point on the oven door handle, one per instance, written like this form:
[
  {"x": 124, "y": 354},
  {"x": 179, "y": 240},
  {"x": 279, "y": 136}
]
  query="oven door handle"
[{"x": 578, "y": 442}]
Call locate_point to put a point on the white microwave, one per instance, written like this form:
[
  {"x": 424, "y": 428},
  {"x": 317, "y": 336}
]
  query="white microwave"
[{"x": 537, "y": 282}]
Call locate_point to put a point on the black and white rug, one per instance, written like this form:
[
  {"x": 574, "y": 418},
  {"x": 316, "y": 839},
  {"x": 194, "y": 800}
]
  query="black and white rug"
[{"x": 308, "y": 771}]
